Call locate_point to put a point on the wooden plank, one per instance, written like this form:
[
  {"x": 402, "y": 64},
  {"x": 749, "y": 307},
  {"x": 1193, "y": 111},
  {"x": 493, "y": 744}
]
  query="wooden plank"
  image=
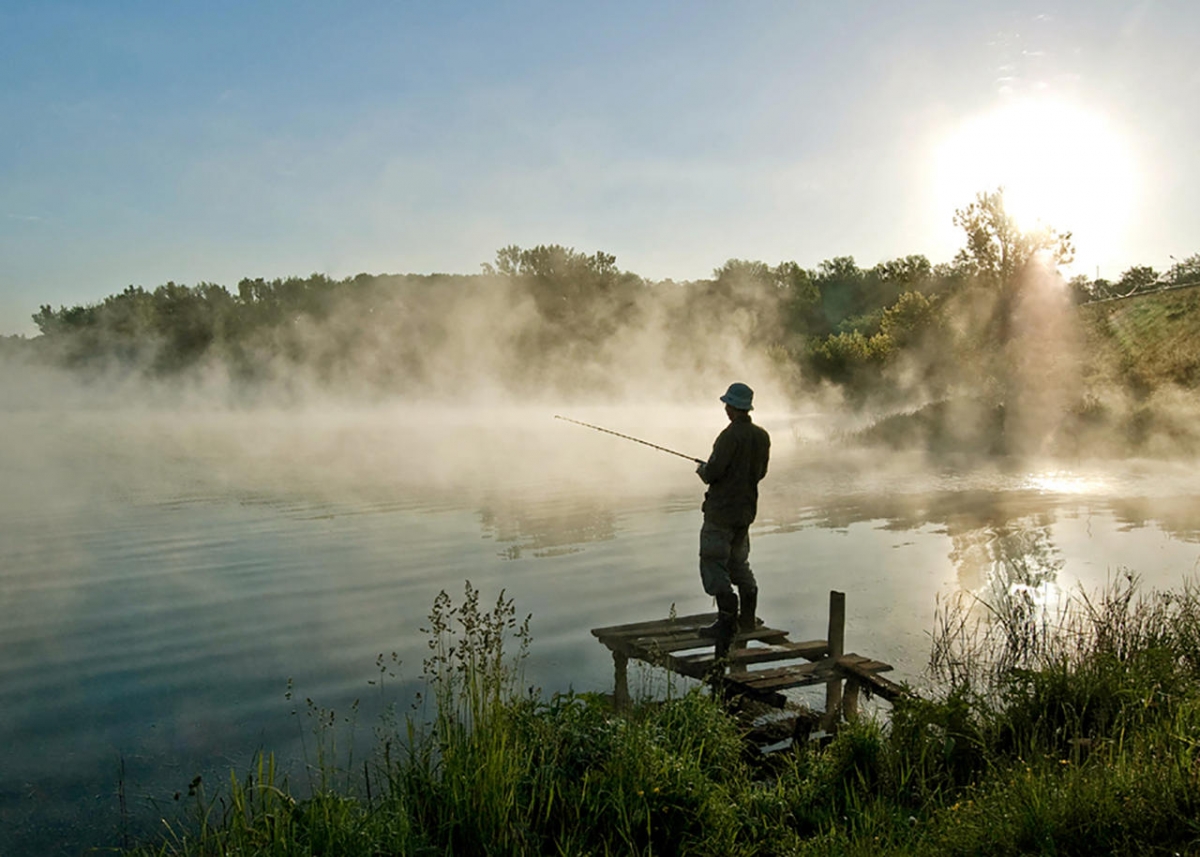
[
  {"x": 863, "y": 664},
  {"x": 790, "y": 669},
  {"x": 812, "y": 650},
  {"x": 678, "y": 623},
  {"x": 692, "y": 669},
  {"x": 877, "y": 684},
  {"x": 860, "y": 661},
  {"x": 663, "y": 639},
  {"x": 801, "y": 675},
  {"x": 682, "y": 625},
  {"x": 732, "y": 687},
  {"x": 689, "y": 640},
  {"x": 653, "y": 650},
  {"x": 784, "y": 682},
  {"x": 874, "y": 666},
  {"x": 685, "y": 639},
  {"x": 699, "y": 664},
  {"x": 790, "y": 676}
]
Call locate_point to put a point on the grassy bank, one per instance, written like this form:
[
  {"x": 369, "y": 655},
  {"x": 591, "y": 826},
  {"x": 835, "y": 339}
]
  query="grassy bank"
[
  {"x": 1071, "y": 732},
  {"x": 1118, "y": 381},
  {"x": 1147, "y": 341}
]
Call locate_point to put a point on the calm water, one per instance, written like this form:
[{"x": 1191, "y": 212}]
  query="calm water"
[{"x": 163, "y": 575}]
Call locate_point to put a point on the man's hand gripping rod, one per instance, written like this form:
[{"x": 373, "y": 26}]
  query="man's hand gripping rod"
[{"x": 634, "y": 439}]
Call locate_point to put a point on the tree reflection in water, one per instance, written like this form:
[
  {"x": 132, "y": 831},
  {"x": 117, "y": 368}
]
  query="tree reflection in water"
[
  {"x": 1003, "y": 557},
  {"x": 1012, "y": 566},
  {"x": 546, "y": 529}
]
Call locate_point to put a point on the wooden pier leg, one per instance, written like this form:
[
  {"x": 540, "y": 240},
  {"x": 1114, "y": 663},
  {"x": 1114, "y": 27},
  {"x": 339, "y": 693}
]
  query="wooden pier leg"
[
  {"x": 850, "y": 700},
  {"x": 621, "y": 679},
  {"x": 737, "y": 666},
  {"x": 837, "y": 645}
]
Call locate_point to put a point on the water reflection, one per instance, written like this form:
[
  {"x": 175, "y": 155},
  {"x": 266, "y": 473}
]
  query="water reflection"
[
  {"x": 1007, "y": 537},
  {"x": 1178, "y": 516},
  {"x": 543, "y": 530},
  {"x": 1006, "y": 556},
  {"x": 159, "y": 583},
  {"x": 1066, "y": 482}
]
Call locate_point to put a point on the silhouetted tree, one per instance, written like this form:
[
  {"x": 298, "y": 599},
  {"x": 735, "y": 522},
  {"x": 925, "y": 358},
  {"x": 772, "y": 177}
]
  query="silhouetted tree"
[
  {"x": 581, "y": 296},
  {"x": 1082, "y": 288},
  {"x": 998, "y": 253},
  {"x": 801, "y": 302},
  {"x": 842, "y": 285},
  {"x": 997, "y": 250},
  {"x": 1186, "y": 272},
  {"x": 1137, "y": 279}
]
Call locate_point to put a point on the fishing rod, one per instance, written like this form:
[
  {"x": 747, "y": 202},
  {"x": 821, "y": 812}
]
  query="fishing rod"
[{"x": 627, "y": 437}]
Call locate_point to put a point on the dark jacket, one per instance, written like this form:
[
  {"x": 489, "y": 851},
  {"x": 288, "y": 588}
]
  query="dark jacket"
[{"x": 738, "y": 461}]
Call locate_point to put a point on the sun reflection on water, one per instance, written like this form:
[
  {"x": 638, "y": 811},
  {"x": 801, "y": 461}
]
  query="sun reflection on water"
[
  {"x": 1066, "y": 482},
  {"x": 1045, "y": 597}
]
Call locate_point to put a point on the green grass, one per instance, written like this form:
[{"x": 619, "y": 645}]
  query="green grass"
[
  {"x": 1071, "y": 733},
  {"x": 1148, "y": 341},
  {"x": 1125, "y": 386}
]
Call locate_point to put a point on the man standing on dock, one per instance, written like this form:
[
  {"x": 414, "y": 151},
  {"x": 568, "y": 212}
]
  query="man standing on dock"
[{"x": 732, "y": 473}]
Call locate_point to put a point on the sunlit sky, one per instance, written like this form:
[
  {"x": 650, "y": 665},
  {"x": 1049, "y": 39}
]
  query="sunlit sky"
[{"x": 143, "y": 141}]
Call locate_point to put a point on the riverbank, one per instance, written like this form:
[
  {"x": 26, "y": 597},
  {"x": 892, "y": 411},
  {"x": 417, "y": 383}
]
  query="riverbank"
[{"x": 1070, "y": 730}]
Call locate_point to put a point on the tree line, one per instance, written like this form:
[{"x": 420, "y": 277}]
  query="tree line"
[{"x": 551, "y": 315}]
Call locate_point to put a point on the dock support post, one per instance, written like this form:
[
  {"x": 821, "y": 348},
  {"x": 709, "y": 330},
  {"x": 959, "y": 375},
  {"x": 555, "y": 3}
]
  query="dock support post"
[
  {"x": 621, "y": 679},
  {"x": 837, "y": 646},
  {"x": 850, "y": 700}
]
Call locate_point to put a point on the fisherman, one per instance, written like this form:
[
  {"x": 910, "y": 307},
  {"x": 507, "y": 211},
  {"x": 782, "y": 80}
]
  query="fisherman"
[{"x": 732, "y": 473}]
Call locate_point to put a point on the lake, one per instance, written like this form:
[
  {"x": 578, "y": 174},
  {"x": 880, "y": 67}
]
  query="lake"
[{"x": 164, "y": 573}]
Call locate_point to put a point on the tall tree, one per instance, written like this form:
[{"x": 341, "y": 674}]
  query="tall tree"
[
  {"x": 997, "y": 249},
  {"x": 998, "y": 253},
  {"x": 842, "y": 285}
]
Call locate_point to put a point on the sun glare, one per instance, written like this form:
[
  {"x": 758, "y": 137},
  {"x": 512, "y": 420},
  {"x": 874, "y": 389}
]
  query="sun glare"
[
  {"x": 1059, "y": 164},
  {"x": 1064, "y": 482}
]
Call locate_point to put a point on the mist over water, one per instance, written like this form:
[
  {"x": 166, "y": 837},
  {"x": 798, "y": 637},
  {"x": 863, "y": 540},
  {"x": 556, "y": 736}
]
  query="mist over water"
[
  {"x": 1044, "y": 375},
  {"x": 173, "y": 551}
]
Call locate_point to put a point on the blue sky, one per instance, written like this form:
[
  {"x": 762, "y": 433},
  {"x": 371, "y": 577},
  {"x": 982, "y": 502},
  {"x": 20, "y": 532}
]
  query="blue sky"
[{"x": 146, "y": 142}]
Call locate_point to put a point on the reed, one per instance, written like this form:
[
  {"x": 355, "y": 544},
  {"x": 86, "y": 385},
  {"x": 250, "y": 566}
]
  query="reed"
[{"x": 1073, "y": 731}]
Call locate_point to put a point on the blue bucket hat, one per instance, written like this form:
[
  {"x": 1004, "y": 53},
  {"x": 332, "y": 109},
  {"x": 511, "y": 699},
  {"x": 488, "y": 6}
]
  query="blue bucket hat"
[{"x": 739, "y": 396}]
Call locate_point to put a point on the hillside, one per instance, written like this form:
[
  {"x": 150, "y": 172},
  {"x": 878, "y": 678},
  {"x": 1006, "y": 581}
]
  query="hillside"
[
  {"x": 1142, "y": 342},
  {"x": 1139, "y": 364}
]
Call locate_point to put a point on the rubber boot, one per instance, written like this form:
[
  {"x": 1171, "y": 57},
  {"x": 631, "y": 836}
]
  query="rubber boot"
[
  {"x": 714, "y": 630},
  {"x": 746, "y": 619},
  {"x": 727, "y": 623}
]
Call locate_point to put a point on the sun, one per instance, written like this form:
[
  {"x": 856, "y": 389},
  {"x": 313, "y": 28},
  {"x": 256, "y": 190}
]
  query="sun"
[{"x": 1060, "y": 165}]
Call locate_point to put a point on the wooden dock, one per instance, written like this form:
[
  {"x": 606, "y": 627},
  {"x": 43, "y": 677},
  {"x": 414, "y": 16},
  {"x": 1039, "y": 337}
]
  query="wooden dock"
[{"x": 676, "y": 644}]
